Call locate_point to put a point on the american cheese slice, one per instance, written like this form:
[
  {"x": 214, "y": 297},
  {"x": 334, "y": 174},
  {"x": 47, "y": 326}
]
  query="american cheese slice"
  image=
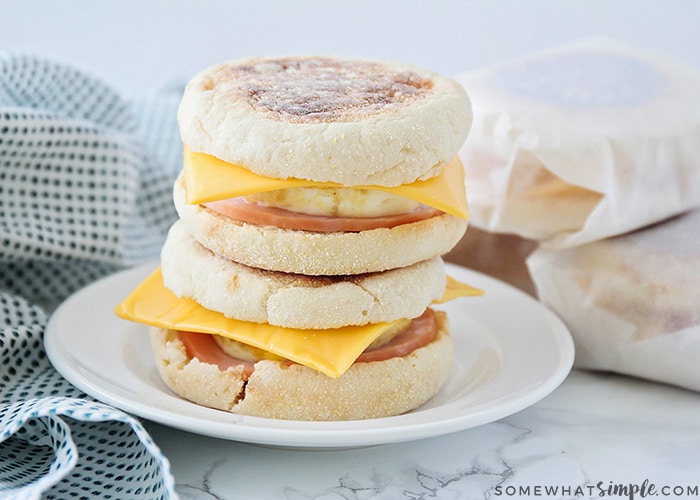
[
  {"x": 455, "y": 289},
  {"x": 208, "y": 178},
  {"x": 330, "y": 351}
]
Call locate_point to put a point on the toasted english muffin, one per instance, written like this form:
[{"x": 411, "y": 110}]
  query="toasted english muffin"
[
  {"x": 277, "y": 389},
  {"x": 326, "y": 119},
  {"x": 296, "y": 300}
]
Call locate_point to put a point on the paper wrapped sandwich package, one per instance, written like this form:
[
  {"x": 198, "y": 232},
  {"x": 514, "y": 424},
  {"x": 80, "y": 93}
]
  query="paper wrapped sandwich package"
[
  {"x": 581, "y": 143},
  {"x": 591, "y": 152},
  {"x": 632, "y": 302}
]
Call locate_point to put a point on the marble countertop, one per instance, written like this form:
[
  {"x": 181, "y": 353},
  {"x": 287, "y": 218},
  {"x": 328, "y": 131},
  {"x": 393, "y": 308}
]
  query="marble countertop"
[{"x": 596, "y": 436}]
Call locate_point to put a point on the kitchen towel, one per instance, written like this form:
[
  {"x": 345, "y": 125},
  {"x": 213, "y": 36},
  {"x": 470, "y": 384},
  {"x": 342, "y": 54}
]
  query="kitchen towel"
[{"x": 85, "y": 190}]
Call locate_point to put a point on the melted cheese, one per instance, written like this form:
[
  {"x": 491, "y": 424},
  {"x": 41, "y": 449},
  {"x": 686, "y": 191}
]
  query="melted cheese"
[
  {"x": 330, "y": 351},
  {"x": 208, "y": 178}
]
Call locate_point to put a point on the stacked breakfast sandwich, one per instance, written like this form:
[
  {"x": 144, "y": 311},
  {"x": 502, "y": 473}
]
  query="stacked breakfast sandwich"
[{"x": 316, "y": 199}]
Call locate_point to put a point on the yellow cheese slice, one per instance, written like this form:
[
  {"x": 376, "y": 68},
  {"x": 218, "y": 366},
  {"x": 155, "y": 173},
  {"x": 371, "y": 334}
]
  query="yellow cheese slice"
[
  {"x": 208, "y": 178},
  {"x": 456, "y": 289},
  {"x": 330, "y": 351}
]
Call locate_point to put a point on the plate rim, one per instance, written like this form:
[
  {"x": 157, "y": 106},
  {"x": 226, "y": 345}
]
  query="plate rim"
[{"x": 317, "y": 435}]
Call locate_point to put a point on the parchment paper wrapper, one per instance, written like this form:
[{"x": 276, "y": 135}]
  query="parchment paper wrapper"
[
  {"x": 582, "y": 142},
  {"x": 632, "y": 303}
]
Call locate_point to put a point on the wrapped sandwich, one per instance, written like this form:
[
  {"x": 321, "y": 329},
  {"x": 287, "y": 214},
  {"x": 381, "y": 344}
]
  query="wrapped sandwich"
[
  {"x": 582, "y": 142},
  {"x": 632, "y": 303}
]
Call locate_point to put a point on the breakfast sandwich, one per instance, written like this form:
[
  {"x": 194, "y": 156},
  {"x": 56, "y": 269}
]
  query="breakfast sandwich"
[{"x": 316, "y": 199}]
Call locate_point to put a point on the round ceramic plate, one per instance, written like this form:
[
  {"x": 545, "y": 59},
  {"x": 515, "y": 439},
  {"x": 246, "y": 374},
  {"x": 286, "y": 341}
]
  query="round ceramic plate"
[{"x": 510, "y": 352}]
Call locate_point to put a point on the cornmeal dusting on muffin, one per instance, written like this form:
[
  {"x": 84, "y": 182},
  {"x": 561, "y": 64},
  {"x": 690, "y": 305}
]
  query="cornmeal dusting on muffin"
[{"x": 321, "y": 90}]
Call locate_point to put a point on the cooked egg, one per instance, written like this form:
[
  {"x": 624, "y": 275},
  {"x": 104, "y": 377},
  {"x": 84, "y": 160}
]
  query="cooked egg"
[
  {"x": 336, "y": 202},
  {"x": 243, "y": 351}
]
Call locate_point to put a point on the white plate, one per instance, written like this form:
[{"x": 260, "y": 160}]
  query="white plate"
[{"x": 510, "y": 353}]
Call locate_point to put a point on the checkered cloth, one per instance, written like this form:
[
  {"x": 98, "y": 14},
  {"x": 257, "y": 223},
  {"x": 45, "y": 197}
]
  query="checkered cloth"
[{"x": 85, "y": 190}]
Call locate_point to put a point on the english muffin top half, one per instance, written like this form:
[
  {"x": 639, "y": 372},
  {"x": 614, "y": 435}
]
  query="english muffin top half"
[{"x": 326, "y": 119}]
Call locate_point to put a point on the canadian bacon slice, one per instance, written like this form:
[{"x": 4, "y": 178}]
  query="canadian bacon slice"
[
  {"x": 203, "y": 347},
  {"x": 419, "y": 333},
  {"x": 244, "y": 211}
]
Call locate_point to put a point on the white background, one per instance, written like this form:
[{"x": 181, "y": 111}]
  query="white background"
[{"x": 139, "y": 45}]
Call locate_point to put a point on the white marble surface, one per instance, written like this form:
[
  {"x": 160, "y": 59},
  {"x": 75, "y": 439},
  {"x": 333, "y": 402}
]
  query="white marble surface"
[{"x": 593, "y": 430}]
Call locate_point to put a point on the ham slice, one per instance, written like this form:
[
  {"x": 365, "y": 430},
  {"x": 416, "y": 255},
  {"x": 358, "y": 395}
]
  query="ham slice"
[
  {"x": 241, "y": 210},
  {"x": 419, "y": 333}
]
